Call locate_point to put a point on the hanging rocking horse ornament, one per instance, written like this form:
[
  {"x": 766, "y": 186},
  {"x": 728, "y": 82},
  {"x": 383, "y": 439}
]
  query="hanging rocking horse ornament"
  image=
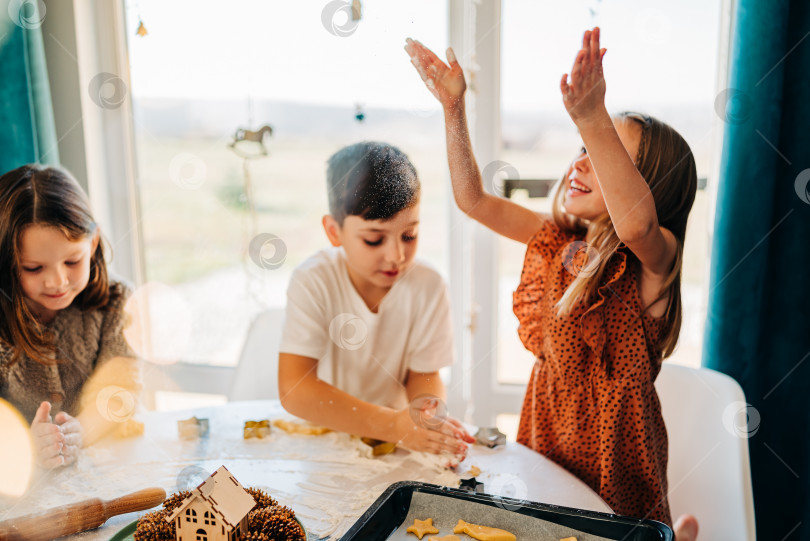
[{"x": 250, "y": 144}]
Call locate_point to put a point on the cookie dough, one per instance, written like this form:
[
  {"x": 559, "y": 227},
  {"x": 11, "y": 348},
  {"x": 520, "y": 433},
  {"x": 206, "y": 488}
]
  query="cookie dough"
[
  {"x": 129, "y": 428},
  {"x": 420, "y": 527},
  {"x": 483, "y": 533},
  {"x": 446, "y": 538},
  {"x": 292, "y": 427}
]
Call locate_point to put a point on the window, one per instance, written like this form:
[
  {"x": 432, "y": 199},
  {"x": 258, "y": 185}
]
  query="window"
[
  {"x": 210, "y": 519},
  {"x": 191, "y": 515},
  {"x": 202, "y": 203},
  {"x": 202, "y": 535}
]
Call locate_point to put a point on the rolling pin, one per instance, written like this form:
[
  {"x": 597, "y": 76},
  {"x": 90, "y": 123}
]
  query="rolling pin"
[{"x": 77, "y": 517}]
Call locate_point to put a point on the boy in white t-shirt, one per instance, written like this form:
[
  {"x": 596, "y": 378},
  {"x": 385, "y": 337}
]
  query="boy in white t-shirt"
[{"x": 367, "y": 327}]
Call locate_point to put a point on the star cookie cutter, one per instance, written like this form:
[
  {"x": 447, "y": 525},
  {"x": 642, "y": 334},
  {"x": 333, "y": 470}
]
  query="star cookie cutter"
[
  {"x": 490, "y": 437},
  {"x": 471, "y": 485}
]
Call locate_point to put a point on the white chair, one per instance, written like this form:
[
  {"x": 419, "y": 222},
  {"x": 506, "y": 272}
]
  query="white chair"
[
  {"x": 256, "y": 375},
  {"x": 709, "y": 471}
]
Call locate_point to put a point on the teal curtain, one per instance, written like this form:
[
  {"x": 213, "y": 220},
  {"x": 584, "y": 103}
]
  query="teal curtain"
[
  {"x": 27, "y": 130},
  {"x": 758, "y": 323}
]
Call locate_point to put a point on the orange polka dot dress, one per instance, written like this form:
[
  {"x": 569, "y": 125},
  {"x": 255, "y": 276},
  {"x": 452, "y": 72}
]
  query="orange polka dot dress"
[{"x": 590, "y": 404}]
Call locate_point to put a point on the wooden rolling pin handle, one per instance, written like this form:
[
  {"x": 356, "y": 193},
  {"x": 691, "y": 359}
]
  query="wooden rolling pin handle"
[
  {"x": 137, "y": 501},
  {"x": 77, "y": 517}
]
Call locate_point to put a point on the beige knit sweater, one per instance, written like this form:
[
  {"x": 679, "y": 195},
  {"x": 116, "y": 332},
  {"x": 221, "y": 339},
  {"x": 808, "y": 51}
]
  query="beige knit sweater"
[{"x": 84, "y": 341}]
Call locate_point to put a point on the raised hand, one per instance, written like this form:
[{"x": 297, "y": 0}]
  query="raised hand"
[
  {"x": 445, "y": 81},
  {"x": 584, "y": 96}
]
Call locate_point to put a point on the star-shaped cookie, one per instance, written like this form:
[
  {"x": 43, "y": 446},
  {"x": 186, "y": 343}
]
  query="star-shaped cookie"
[{"x": 421, "y": 527}]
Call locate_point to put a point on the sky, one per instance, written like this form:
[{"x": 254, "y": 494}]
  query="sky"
[{"x": 657, "y": 51}]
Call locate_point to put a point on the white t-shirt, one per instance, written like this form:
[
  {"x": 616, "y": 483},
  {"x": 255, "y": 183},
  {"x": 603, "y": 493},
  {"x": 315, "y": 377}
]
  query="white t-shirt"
[{"x": 365, "y": 354}]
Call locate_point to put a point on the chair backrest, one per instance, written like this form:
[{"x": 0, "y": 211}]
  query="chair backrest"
[
  {"x": 256, "y": 375},
  {"x": 709, "y": 471}
]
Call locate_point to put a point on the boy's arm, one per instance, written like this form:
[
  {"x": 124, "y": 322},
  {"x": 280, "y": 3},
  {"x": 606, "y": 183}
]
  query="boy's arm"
[
  {"x": 447, "y": 84},
  {"x": 421, "y": 383},
  {"x": 306, "y": 396}
]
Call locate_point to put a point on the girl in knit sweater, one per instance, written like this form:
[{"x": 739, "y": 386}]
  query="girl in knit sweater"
[{"x": 61, "y": 317}]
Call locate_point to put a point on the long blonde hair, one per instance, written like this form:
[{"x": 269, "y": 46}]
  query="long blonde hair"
[{"x": 668, "y": 166}]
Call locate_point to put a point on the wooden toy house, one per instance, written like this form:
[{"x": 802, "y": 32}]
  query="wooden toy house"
[{"x": 217, "y": 510}]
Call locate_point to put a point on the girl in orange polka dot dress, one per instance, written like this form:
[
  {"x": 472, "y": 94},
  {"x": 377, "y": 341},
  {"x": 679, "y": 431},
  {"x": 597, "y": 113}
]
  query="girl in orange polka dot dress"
[{"x": 599, "y": 296}]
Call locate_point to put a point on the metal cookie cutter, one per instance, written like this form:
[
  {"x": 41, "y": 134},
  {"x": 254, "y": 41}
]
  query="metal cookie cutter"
[
  {"x": 190, "y": 429},
  {"x": 471, "y": 485},
  {"x": 256, "y": 429},
  {"x": 490, "y": 437},
  {"x": 379, "y": 447}
]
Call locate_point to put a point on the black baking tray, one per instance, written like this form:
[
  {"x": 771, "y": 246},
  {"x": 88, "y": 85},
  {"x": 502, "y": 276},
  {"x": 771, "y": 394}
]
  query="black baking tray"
[{"x": 388, "y": 512}]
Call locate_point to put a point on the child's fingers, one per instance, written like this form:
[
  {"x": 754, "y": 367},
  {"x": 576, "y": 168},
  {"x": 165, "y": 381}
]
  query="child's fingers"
[
  {"x": 424, "y": 54},
  {"x": 49, "y": 449},
  {"x": 449, "y": 444},
  {"x": 564, "y": 88},
  {"x": 451, "y": 57},
  {"x": 70, "y": 452},
  {"x": 419, "y": 69},
  {"x": 53, "y": 462},
  {"x": 576, "y": 71},
  {"x": 42, "y": 431},
  {"x": 593, "y": 46},
  {"x": 602, "y": 54},
  {"x": 73, "y": 440},
  {"x": 71, "y": 427},
  {"x": 43, "y": 414},
  {"x": 49, "y": 452},
  {"x": 459, "y": 431}
]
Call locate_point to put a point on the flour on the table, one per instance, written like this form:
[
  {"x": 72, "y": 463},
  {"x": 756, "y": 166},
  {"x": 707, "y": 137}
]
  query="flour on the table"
[{"x": 328, "y": 480}]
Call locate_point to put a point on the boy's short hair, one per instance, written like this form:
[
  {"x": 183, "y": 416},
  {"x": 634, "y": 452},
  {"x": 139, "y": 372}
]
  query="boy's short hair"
[{"x": 371, "y": 180}]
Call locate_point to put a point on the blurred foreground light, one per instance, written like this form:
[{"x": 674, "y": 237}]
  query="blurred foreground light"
[
  {"x": 16, "y": 453},
  {"x": 160, "y": 328}
]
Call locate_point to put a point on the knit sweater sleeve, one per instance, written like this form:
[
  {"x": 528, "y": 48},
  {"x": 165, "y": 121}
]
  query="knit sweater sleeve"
[
  {"x": 113, "y": 342},
  {"x": 115, "y": 385}
]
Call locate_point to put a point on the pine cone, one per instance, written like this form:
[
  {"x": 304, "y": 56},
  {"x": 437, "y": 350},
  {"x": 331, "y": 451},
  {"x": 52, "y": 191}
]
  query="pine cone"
[{"x": 268, "y": 521}]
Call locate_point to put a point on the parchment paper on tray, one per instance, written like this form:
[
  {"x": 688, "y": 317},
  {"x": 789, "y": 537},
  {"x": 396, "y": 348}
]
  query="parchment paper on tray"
[{"x": 446, "y": 513}]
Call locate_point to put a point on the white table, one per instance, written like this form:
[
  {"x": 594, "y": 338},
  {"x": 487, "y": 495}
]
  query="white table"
[{"x": 328, "y": 480}]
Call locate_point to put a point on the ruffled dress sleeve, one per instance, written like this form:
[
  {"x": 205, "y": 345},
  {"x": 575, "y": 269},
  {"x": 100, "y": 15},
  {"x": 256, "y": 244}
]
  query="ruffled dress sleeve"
[{"x": 528, "y": 298}]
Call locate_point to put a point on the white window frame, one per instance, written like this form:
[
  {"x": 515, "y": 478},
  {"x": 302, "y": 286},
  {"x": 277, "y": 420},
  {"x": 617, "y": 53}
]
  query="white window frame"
[{"x": 475, "y": 35}]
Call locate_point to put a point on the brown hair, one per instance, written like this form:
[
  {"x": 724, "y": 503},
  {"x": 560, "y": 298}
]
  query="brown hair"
[
  {"x": 371, "y": 180},
  {"x": 667, "y": 164},
  {"x": 46, "y": 196}
]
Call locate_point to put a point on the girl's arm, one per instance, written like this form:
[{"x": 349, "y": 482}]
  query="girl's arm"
[
  {"x": 306, "y": 396},
  {"x": 446, "y": 82},
  {"x": 627, "y": 196}
]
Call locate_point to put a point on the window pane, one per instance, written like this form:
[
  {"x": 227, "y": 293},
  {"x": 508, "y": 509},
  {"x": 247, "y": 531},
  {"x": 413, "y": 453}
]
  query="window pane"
[
  {"x": 662, "y": 60},
  {"x": 206, "y": 69}
]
